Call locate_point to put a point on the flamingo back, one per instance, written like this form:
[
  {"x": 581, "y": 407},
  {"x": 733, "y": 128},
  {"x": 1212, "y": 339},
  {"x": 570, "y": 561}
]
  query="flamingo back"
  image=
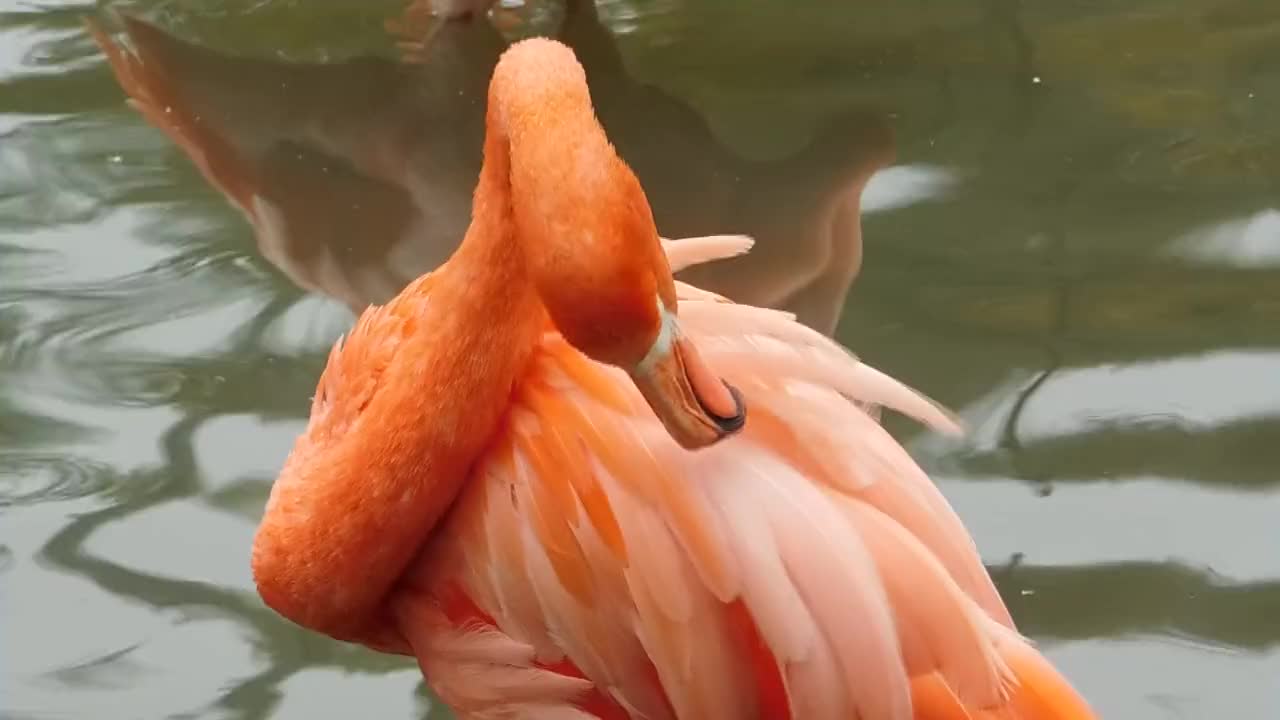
[{"x": 807, "y": 568}]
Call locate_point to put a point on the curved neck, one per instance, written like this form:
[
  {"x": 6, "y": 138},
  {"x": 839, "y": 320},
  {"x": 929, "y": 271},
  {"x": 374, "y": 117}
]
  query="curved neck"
[{"x": 413, "y": 403}]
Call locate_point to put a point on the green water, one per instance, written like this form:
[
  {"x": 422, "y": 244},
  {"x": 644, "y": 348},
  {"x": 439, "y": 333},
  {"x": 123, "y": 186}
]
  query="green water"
[{"x": 1070, "y": 234}]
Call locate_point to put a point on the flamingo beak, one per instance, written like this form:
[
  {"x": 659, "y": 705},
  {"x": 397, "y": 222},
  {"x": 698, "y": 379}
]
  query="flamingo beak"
[{"x": 696, "y": 407}]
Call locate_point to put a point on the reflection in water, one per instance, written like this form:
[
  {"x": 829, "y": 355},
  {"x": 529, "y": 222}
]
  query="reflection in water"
[
  {"x": 357, "y": 176},
  {"x": 1145, "y": 419},
  {"x": 1085, "y": 266}
]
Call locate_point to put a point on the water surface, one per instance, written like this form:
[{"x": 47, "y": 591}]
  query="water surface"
[{"x": 1070, "y": 232}]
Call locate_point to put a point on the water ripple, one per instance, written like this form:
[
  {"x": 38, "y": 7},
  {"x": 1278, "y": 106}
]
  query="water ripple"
[
  {"x": 34, "y": 478},
  {"x": 1144, "y": 519},
  {"x": 1132, "y": 677},
  {"x": 71, "y": 169}
]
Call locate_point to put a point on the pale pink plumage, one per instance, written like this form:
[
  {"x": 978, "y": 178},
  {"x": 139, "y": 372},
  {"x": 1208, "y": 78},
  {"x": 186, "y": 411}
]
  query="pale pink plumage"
[{"x": 854, "y": 567}]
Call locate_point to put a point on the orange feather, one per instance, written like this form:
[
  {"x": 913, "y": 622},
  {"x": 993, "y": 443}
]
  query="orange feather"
[{"x": 495, "y": 496}]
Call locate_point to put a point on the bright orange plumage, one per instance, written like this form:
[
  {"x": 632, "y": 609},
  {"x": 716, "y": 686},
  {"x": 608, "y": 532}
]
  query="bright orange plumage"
[{"x": 522, "y": 472}]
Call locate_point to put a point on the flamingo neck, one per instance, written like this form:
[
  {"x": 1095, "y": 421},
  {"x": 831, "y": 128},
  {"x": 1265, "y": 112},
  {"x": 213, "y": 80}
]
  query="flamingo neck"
[{"x": 356, "y": 503}]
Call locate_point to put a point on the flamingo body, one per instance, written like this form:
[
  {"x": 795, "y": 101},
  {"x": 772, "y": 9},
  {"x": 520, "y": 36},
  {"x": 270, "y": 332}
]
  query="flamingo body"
[{"x": 521, "y": 472}]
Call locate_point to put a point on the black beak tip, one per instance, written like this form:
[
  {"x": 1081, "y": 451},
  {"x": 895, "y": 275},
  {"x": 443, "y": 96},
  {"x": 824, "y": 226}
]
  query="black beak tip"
[{"x": 731, "y": 425}]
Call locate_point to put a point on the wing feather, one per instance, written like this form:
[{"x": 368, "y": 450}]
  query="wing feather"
[{"x": 697, "y": 250}]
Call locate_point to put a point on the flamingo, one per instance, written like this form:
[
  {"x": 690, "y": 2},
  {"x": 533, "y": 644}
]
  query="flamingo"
[{"x": 573, "y": 487}]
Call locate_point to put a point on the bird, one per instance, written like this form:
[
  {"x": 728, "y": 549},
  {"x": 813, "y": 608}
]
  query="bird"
[{"x": 572, "y": 486}]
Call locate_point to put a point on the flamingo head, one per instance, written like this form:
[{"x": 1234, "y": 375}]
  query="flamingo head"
[
  {"x": 603, "y": 276},
  {"x": 592, "y": 248}
]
